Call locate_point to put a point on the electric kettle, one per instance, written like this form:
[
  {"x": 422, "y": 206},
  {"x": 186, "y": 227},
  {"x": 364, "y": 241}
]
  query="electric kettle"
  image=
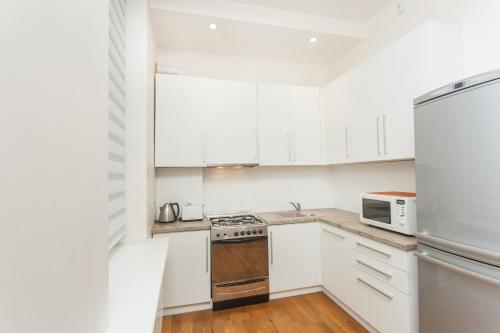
[{"x": 168, "y": 213}]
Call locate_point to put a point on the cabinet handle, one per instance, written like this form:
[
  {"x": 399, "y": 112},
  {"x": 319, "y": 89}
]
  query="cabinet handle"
[
  {"x": 289, "y": 140},
  {"x": 388, "y": 255},
  {"x": 205, "y": 147},
  {"x": 294, "y": 147},
  {"x": 378, "y": 136},
  {"x": 384, "y": 117},
  {"x": 387, "y": 275},
  {"x": 257, "y": 146},
  {"x": 346, "y": 144},
  {"x": 206, "y": 254},
  {"x": 271, "y": 243},
  {"x": 333, "y": 233},
  {"x": 388, "y": 296}
]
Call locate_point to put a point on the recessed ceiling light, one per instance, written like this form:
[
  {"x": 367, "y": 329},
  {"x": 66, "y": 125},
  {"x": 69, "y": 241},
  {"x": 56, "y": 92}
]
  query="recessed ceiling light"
[
  {"x": 313, "y": 40},
  {"x": 212, "y": 26}
]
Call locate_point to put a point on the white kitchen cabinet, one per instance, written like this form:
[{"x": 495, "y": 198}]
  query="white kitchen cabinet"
[
  {"x": 187, "y": 272},
  {"x": 180, "y": 121},
  {"x": 335, "y": 262},
  {"x": 232, "y": 135},
  {"x": 374, "y": 101},
  {"x": 292, "y": 256},
  {"x": 289, "y": 125}
]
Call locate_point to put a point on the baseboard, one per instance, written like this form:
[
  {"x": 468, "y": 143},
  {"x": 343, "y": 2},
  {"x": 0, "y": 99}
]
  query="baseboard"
[
  {"x": 186, "y": 308},
  {"x": 353, "y": 314},
  {"x": 295, "y": 292}
]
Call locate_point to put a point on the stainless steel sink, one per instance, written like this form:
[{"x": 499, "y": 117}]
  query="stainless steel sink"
[{"x": 291, "y": 214}]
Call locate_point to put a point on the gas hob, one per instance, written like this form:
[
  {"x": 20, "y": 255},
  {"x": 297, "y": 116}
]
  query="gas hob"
[{"x": 237, "y": 226}]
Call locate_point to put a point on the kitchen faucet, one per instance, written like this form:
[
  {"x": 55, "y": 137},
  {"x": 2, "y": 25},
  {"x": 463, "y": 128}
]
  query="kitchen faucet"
[{"x": 296, "y": 205}]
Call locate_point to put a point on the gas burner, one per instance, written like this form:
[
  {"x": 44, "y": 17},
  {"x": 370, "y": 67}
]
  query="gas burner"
[
  {"x": 235, "y": 221},
  {"x": 237, "y": 226}
]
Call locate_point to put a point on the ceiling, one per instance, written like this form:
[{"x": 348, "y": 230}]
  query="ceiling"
[
  {"x": 190, "y": 32},
  {"x": 350, "y": 10},
  {"x": 273, "y": 29}
]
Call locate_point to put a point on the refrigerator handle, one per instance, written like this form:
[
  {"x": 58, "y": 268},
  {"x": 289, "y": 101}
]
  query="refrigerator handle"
[
  {"x": 479, "y": 253},
  {"x": 483, "y": 278}
]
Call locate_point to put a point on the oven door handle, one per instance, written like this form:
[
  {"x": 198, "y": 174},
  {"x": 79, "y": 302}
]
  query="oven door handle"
[{"x": 239, "y": 240}]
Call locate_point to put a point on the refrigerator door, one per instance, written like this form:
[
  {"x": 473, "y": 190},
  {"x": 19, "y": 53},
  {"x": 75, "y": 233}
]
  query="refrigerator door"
[
  {"x": 457, "y": 157},
  {"x": 456, "y": 294}
]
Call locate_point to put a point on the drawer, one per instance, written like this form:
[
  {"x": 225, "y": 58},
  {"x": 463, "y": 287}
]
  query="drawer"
[
  {"x": 382, "y": 306},
  {"x": 336, "y": 232},
  {"x": 382, "y": 271},
  {"x": 384, "y": 253}
]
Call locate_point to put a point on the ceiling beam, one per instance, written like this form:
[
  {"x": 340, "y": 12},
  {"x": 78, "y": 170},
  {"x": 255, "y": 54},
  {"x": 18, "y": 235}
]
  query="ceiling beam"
[{"x": 263, "y": 15}]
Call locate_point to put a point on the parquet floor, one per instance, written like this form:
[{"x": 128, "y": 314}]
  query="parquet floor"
[{"x": 312, "y": 313}]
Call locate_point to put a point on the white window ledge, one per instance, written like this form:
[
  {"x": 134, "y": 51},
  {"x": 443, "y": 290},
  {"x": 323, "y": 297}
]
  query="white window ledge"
[{"x": 135, "y": 280}]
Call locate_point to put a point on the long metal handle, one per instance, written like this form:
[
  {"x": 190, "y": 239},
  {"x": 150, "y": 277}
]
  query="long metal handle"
[
  {"x": 482, "y": 254},
  {"x": 242, "y": 292},
  {"x": 206, "y": 254},
  {"x": 383, "y": 293},
  {"x": 384, "y": 132},
  {"x": 289, "y": 140},
  {"x": 257, "y": 145},
  {"x": 374, "y": 269},
  {"x": 388, "y": 255},
  {"x": 271, "y": 245},
  {"x": 425, "y": 256},
  {"x": 333, "y": 233},
  {"x": 294, "y": 147},
  {"x": 346, "y": 142},
  {"x": 205, "y": 147},
  {"x": 378, "y": 136}
]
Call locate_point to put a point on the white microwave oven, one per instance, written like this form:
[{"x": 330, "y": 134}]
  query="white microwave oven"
[{"x": 396, "y": 211}]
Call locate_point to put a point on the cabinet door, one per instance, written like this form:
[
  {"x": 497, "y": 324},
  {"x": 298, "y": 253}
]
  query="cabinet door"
[
  {"x": 292, "y": 256},
  {"x": 187, "y": 272},
  {"x": 335, "y": 263},
  {"x": 306, "y": 126},
  {"x": 231, "y": 122},
  {"x": 275, "y": 103},
  {"x": 180, "y": 120}
]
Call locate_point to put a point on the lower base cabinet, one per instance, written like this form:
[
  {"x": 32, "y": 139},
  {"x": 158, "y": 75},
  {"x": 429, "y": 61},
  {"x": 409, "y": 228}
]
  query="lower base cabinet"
[
  {"x": 187, "y": 272},
  {"x": 292, "y": 256},
  {"x": 376, "y": 281}
]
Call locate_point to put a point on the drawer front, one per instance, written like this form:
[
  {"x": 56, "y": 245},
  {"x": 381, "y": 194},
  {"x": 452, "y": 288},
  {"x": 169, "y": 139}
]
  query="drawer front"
[
  {"x": 382, "y": 271},
  {"x": 385, "y": 308},
  {"x": 384, "y": 253}
]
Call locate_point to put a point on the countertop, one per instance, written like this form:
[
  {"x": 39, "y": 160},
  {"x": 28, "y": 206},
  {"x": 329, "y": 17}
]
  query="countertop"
[
  {"x": 136, "y": 275},
  {"x": 338, "y": 218}
]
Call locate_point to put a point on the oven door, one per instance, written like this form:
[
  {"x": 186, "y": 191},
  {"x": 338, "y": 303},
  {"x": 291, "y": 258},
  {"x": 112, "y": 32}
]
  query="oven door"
[{"x": 239, "y": 268}]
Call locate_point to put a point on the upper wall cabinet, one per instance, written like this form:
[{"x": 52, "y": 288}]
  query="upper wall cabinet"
[
  {"x": 289, "y": 125},
  {"x": 232, "y": 136},
  {"x": 369, "y": 110},
  {"x": 180, "y": 121}
]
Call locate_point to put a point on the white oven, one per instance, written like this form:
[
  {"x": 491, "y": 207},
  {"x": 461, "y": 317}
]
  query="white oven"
[{"x": 394, "y": 211}]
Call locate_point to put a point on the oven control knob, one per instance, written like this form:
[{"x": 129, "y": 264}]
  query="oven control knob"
[
  {"x": 236, "y": 233},
  {"x": 242, "y": 233},
  {"x": 218, "y": 235},
  {"x": 254, "y": 232},
  {"x": 249, "y": 232},
  {"x": 260, "y": 231}
]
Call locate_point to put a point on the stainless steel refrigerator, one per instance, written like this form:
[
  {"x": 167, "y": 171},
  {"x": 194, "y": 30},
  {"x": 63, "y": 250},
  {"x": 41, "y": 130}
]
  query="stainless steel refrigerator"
[{"x": 457, "y": 157}]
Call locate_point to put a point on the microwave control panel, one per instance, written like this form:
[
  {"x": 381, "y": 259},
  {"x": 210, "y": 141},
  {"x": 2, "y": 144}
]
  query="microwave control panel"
[{"x": 401, "y": 211}]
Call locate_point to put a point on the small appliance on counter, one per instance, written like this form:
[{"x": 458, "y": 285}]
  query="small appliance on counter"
[
  {"x": 168, "y": 213},
  {"x": 192, "y": 212},
  {"x": 395, "y": 211}
]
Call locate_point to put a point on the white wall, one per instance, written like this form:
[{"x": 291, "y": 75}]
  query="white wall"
[
  {"x": 140, "y": 171},
  {"x": 53, "y": 143},
  {"x": 257, "y": 189},
  {"x": 351, "y": 180},
  {"x": 227, "y": 67}
]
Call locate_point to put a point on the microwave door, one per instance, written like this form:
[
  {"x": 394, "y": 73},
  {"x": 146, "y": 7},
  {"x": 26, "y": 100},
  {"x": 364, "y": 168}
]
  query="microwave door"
[{"x": 377, "y": 210}]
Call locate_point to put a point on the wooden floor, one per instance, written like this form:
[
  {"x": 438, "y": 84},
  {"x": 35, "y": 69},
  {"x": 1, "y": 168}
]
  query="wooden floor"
[{"x": 305, "y": 314}]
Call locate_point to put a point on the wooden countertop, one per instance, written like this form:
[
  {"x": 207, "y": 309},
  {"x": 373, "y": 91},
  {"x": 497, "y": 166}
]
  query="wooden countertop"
[{"x": 347, "y": 221}]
